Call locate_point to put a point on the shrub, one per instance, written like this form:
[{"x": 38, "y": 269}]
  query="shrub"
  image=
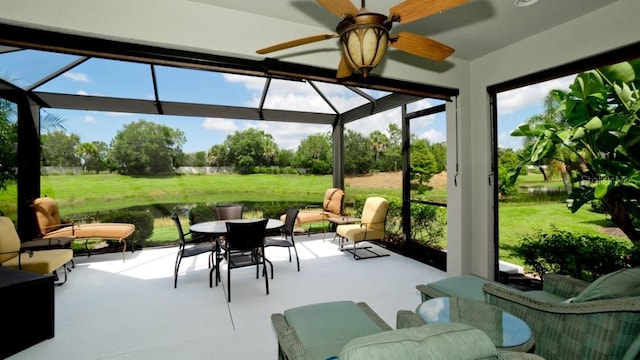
[
  {"x": 143, "y": 220},
  {"x": 581, "y": 256},
  {"x": 201, "y": 213}
]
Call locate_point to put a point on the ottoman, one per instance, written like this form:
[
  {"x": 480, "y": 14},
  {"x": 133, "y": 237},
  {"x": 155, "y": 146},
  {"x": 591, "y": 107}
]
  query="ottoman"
[{"x": 320, "y": 331}]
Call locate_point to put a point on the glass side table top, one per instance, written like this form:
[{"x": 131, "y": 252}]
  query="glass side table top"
[{"x": 504, "y": 329}]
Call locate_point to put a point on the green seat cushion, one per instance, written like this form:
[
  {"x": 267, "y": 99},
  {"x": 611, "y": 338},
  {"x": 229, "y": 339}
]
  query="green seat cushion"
[
  {"x": 544, "y": 296},
  {"x": 325, "y": 328},
  {"x": 465, "y": 286},
  {"x": 434, "y": 341},
  {"x": 621, "y": 283}
]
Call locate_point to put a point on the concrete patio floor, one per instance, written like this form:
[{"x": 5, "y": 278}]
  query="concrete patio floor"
[{"x": 114, "y": 309}]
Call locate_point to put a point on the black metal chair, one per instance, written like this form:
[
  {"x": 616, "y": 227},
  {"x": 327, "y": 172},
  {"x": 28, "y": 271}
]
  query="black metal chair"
[
  {"x": 200, "y": 244},
  {"x": 244, "y": 246},
  {"x": 286, "y": 239},
  {"x": 229, "y": 212}
]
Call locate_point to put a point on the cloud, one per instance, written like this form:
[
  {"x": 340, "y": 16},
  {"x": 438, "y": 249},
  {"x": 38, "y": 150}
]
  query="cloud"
[
  {"x": 76, "y": 76},
  {"x": 506, "y": 141},
  {"x": 90, "y": 119},
  {"x": 289, "y": 135},
  {"x": 82, "y": 92},
  {"x": 517, "y": 99},
  {"x": 217, "y": 124},
  {"x": 434, "y": 136}
]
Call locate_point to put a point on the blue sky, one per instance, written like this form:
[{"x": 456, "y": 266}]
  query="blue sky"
[{"x": 113, "y": 78}]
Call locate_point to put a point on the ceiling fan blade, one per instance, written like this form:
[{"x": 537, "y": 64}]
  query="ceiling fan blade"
[
  {"x": 344, "y": 69},
  {"x": 339, "y": 8},
  {"x": 421, "y": 46},
  {"x": 412, "y": 10},
  {"x": 297, "y": 42}
]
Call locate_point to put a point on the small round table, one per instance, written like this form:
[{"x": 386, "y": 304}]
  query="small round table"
[{"x": 507, "y": 331}]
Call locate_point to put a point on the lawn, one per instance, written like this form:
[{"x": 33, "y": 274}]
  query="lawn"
[{"x": 79, "y": 194}]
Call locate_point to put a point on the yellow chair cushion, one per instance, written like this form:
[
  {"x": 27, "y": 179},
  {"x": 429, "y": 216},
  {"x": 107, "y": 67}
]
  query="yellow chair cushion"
[{"x": 42, "y": 261}]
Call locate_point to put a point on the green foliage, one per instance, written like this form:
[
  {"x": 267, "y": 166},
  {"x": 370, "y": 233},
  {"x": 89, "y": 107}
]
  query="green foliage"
[
  {"x": 601, "y": 128},
  {"x": 423, "y": 163},
  {"x": 201, "y": 213},
  {"x": 505, "y": 186},
  {"x": 250, "y": 148},
  {"x": 218, "y": 155},
  {"x": 315, "y": 153},
  {"x": 579, "y": 255},
  {"x": 147, "y": 148},
  {"x": 8, "y": 145},
  {"x": 143, "y": 220},
  {"x": 358, "y": 153},
  {"x": 59, "y": 149}
]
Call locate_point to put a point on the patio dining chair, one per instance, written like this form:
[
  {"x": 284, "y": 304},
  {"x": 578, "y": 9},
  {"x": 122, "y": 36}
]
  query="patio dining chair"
[
  {"x": 244, "y": 246},
  {"x": 286, "y": 238},
  {"x": 229, "y": 212},
  {"x": 185, "y": 249}
]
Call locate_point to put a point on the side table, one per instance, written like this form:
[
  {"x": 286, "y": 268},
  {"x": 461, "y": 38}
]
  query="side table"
[{"x": 507, "y": 331}]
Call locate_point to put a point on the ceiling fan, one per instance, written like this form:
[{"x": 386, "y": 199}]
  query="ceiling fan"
[{"x": 364, "y": 35}]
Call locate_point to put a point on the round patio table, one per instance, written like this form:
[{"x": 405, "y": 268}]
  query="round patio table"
[
  {"x": 219, "y": 227},
  {"x": 507, "y": 331}
]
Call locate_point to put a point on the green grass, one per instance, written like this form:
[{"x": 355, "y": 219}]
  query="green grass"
[{"x": 79, "y": 194}]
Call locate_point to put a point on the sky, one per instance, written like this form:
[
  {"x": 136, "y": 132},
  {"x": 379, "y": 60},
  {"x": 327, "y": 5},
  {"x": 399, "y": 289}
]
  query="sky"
[{"x": 119, "y": 79}]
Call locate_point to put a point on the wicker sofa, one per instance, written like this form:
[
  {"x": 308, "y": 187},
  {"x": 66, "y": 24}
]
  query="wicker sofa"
[{"x": 599, "y": 328}]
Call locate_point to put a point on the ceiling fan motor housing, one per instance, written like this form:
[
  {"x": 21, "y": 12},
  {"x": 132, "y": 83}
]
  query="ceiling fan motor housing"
[{"x": 364, "y": 40}]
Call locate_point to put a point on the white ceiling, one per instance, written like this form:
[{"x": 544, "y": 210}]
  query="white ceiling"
[{"x": 474, "y": 29}]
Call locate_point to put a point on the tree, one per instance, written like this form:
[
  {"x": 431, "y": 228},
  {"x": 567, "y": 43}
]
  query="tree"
[
  {"x": 358, "y": 153},
  {"x": 250, "y": 148},
  {"x": 147, "y": 148},
  {"x": 315, "y": 154},
  {"x": 556, "y": 156},
  {"x": 379, "y": 143},
  {"x": 392, "y": 154},
  {"x": 60, "y": 149},
  {"x": 93, "y": 156},
  {"x": 601, "y": 111},
  {"x": 284, "y": 157},
  {"x": 218, "y": 155},
  {"x": 439, "y": 152},
  {"x": 8, "y": 144},
  {"x": 423, "y": 163}
]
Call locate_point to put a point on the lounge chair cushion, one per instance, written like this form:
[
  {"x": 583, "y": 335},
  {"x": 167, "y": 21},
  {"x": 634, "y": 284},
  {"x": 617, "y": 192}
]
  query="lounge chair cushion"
[
  {"x": 41, "y": 262},
  {"x": 325, "y": 328},
  {"x": 465, "y": 286},
  {"x": 621, "y": 283},
  {"x": 435, "y": 341}
]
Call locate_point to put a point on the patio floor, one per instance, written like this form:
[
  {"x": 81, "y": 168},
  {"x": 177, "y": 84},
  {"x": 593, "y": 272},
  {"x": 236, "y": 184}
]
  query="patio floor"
[{"x": 114, "y": 309}]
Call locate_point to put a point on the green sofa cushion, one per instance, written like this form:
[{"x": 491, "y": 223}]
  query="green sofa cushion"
[
  {"x": 434, "y": 341},
  {"x": 465, "y": 286},
  {"x": 325, "y": 328},
  {"x": 621, "y": 283}
]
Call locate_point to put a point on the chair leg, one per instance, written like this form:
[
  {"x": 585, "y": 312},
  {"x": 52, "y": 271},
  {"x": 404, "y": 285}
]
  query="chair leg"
[
  {"x": 175, "y": 271},
  {"x": 297, "y": 258},
  {"x": 266, "y": 278},
  {"x": 228, "y": 283}
]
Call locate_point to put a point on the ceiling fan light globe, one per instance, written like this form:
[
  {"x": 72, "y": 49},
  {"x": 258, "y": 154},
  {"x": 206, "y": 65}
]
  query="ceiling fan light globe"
[{"x": 364, "y": 46}]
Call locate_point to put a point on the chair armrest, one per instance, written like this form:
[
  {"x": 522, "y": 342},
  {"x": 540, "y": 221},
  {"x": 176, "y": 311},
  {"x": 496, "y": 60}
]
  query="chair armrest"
[
  {"x": 289, "y": 345},
  {"x": 516, "y": 301},
  {"x": 563, "y": 285},
  {"x": 374, "y": 316},
  {"x": 408, "y": 319}
]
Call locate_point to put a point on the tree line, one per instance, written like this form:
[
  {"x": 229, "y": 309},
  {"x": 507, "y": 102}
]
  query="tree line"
[{"x": 147, "y": 148}]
